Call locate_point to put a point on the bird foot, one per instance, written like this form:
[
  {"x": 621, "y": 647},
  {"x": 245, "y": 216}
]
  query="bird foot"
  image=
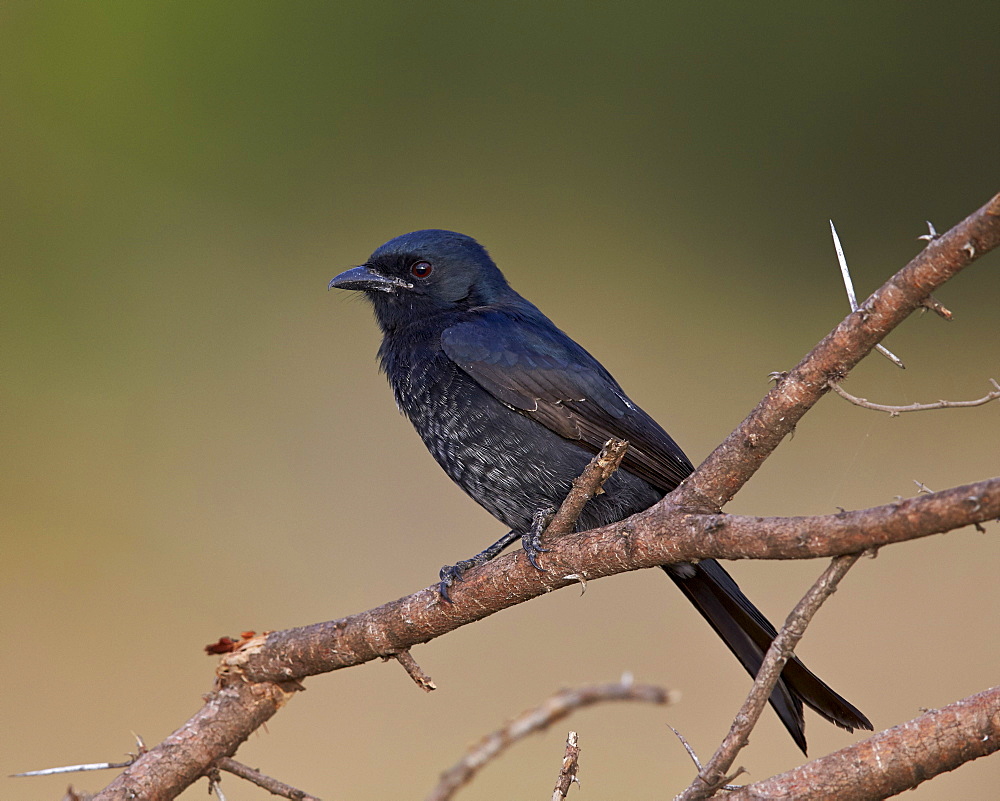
[{"x": 532, "y": 541}]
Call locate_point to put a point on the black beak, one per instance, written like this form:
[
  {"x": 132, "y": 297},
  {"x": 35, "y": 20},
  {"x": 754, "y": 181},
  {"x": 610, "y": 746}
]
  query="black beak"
[{"x": 367, "y": 280}]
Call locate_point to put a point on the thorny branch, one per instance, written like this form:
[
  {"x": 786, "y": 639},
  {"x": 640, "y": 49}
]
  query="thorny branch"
[
  {"x": 741, "y": 454},
  {"x": 256, "y": 680}
]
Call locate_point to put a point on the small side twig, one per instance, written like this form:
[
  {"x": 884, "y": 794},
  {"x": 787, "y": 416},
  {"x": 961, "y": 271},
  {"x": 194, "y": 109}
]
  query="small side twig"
[
  {"x": 697, "y": 762},
  {"x": 713, "y": 776},
  {"x": 415, "y": 672},
  {"x": 568, "y": 770},
  {"x": 895, "y": 411},
  {"x": 586, "y": 486},
  {"x": 273, "y": 786},
  {"x": 540, "y": 717},
  {"x": 936, "y": 306}
]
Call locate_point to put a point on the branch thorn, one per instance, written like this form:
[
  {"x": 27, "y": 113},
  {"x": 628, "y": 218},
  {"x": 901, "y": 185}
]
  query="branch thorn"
[
  {"x": 931, "y": 234},
  {"x": 852, "y": 298}
]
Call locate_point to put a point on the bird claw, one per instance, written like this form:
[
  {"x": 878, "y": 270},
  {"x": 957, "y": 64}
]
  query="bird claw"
[
  {"x": 531, "y": 551},
  {"x": 449, "y": 574}
]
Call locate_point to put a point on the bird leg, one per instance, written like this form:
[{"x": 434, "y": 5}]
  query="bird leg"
[
  {"x": 532, "y": 541},
  {"x": 449, "y": 574}
]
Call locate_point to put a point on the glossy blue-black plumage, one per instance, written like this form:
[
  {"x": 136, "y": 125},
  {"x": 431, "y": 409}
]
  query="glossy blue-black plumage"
[{"x": 513, "y": 409}]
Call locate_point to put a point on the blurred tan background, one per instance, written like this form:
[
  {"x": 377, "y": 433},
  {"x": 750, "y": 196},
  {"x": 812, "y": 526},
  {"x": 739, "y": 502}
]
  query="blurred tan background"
[{"x": 195, "y": 439}]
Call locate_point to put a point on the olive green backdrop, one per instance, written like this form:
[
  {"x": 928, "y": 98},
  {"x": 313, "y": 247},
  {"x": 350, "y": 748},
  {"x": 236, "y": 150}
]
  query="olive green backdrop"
[{"x": 195, "y": 439}]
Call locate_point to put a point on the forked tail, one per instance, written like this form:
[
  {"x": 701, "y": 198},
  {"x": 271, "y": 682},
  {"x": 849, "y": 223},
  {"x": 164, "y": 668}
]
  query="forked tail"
[{"x": 749, "y": 634}]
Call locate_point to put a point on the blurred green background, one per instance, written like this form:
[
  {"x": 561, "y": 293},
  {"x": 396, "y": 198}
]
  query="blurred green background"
[{"x": 195, "y": 439}]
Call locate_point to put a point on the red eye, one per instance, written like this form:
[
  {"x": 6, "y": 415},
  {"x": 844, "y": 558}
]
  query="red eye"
[{"x": 421, "y": 269}]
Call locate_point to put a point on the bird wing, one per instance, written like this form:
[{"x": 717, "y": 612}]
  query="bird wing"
[{"x": 536, "y": 369}]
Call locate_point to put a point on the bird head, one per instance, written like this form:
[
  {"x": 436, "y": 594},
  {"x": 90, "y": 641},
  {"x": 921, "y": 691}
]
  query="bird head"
[{"x": 424, "y": 273}]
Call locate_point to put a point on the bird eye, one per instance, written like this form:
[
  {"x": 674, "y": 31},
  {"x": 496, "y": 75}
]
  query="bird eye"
[{"x": 421, "y": 269}]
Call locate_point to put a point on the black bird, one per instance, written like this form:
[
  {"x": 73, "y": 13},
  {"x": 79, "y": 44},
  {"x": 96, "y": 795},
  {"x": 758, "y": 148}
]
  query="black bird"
[{"x": 513, "y": 409}]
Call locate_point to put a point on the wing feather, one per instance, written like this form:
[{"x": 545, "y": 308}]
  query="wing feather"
[{"x": 546, "y": 376}]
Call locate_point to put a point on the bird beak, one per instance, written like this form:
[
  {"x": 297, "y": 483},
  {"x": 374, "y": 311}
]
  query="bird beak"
[{"x": 367, "y": 280}]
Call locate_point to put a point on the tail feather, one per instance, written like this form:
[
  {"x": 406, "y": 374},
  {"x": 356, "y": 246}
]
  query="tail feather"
[{"x": 748, "y": 634}]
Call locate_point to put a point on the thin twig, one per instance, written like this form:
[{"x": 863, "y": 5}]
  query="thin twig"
[
  {"x": 852, "y": 298},
  {"x": 713, "y": 777},
  {"x": 697, "y": 762},
  {"x": 895, "y": 411},
  {"x": 570, "y": 767},
  {"x": 421, "y": 679},
  {"x": 273, "y": 786},
  {"x": 555, "y": 708}
]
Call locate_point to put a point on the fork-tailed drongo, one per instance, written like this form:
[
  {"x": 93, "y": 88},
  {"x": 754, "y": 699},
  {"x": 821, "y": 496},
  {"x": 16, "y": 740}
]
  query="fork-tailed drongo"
[{"x": 513, "y": 409}]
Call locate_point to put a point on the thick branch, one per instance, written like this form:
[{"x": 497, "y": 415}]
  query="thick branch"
[
  {"x": 646, "y": 540},
  {"x": 747, "y": 537},
  {"x": 894, "y": 760}
]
